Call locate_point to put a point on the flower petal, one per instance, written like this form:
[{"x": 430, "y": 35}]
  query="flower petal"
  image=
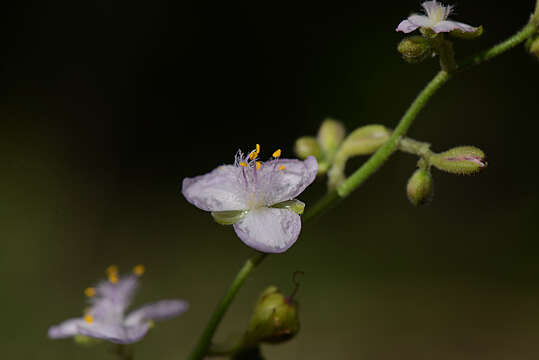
[
  {"x": 114, "y": 297},
  {"x": 269, "y": 230},
  {"x": 406, "y": 27},
  {"x": 275, "y": 185},
  {"x": 114, "y": 333},
  {"x": 420, "y": 20},
  {"x": 65, "y": 329},
  {"x": 448, "y": 25},
  {"x": 218, "y": 190},
  {"x": 159, "y": 310}
]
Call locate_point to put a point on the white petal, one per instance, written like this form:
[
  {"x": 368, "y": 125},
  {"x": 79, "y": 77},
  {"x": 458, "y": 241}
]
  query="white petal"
[
  {"x": 65, "y": 329},
  {"x": 159, "y": 310},
  {"x": 269, "y": 230},
  {"x": 406, "y": 27},
  {"x": 431, "y": 7},
  {"x": 276, "y": 185},
  {"x": 218, "y": 190},
  {"x": 447, "y": 26},
  {"x": 420, "y": 20}
]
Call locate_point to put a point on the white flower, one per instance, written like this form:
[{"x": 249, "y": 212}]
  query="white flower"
[
  {"x": 253, "y": 193},
  {"x": 436, "y": 20}
]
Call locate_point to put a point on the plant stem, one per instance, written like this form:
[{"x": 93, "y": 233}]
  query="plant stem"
[{"x": 360, "y": 175}]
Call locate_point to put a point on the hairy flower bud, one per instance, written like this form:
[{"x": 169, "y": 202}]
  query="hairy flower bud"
[
  {"x": 463, "y": 160},
  {"x": 306, "y": 146},
  {"x": 419, "y": 187},
  {"x": 274, "y": 319},
  {"x": 467, "y": 35},
  {"x": 330, "y": 135},
  {"x": 415, "y": 49}
]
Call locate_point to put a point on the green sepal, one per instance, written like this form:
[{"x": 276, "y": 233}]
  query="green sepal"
[
  {"x": 293, "y": 205},
  {"x": 228, "y": 217},
  {"x": 468, "y": 35},
  {"x": 86, "y": 340}
]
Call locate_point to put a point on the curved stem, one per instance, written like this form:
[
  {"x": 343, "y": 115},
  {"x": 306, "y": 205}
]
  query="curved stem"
[{"x": 360, "y": 175}]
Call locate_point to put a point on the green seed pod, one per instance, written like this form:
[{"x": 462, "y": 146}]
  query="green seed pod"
[
  {"x": 415, "y": 49},
  {"x": 419, "y": 187},
  {"x": 274, "y": 319},
  {"x": 330, "y": 136},
  {"x": 462, "y": 160},
  {"x": 363, "y": 141},
  {"x": 467, "y": 35},
  {"x": 306, "y": 146}
]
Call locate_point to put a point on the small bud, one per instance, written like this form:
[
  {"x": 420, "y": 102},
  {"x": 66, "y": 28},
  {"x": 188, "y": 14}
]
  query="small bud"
[
  {"x": 363, "y": 141},
  {"x": 274, "y": 319},
  {"x": 415, "y": 49},
  {"x": 463, "y": 160},
  {"x": 419, "y": 188},
  {"x": 330, "y": 135},
  {"x": 467, "y": 35},
  {"x": 533, "y": 46},
  {"x": 307, "y": 146}
]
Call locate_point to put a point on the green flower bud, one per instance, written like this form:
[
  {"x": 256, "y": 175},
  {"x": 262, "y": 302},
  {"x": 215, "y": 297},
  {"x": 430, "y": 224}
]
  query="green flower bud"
[
  {"x": 467, "y": 35},
  {"x": 306, "y": 146},
  {"x": 415, "y": 49},
  {"x": 274, "y": 319},
  {"x": 533, "y": 46},
  {"x": 228, "y": 217},
  {"x": 463, "y": 160},
  {"x": 363, "y": 141},
  {"x": 330, "y": 136},
  {"x": 419, "y": 187}
]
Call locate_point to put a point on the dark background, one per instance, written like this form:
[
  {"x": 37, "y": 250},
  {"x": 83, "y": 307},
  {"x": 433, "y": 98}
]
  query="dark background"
[{"x": 106, "y": 105}]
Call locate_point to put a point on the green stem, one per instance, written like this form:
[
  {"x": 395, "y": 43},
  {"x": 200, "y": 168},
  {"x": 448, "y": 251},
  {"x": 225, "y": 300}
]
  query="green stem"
[{"x": 359, "y": 176}]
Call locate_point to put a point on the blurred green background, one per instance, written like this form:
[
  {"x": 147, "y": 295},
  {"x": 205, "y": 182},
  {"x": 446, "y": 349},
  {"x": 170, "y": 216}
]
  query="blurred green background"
[{"x": 105, "y": 107}]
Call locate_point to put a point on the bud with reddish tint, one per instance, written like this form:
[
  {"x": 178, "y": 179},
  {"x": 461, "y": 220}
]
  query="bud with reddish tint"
[{"x": 462, "y": 160}]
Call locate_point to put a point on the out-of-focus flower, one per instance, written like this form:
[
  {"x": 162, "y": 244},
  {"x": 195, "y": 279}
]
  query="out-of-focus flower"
[
  {"x": 105, "y": 318},
  {"x": 435, "y": 19},
  {"x": 256, "y": 197}
]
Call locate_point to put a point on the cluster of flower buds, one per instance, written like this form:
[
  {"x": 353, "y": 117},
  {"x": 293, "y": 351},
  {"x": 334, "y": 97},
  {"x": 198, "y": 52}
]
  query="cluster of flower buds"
[
  {"x": 333, "y": 148},
  {"x": 432, "y": 25}
]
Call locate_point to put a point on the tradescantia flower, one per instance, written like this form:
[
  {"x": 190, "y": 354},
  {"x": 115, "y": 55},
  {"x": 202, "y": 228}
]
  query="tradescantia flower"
[
  {"x": 105, "y": 317},
  {"x": 436, "y": 20},
  {"x": 256, "y": 197}
]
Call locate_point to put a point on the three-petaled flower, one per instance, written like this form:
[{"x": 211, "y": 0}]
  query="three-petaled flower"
[
  {"x": 105, "y": 317},
  {"x": 256, "y": 197},
  {"x": 436, "y": 20}
]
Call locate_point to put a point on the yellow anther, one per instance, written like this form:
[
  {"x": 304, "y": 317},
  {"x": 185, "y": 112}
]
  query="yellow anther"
[
  {"x": 113, "y": 278},
  {"x": 139, "y": 270},
  {"x": 90, "y": 292},
  {"x": 88, "y": 318},
  {"x": 277, "y": 153},
  {"x": 243, "y": 163},
  {"x": 112, "y": 270},
  {"x": 258, "y": 165},
  {"x": 282, "y": 167}
]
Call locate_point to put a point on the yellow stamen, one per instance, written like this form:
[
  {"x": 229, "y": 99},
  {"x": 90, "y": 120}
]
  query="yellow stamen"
[
  {"x": 243, "y": 163},
  {"x": 277, "y": 153},
  {"x": 113, "y": 278},
  {"x": 88, "y": 318},
  {"x": 90, "y": 292},
  {"x": 282, "y": 167},
  {"x": 254, "y": 154},
  {"x": 139, "y": 270},
  {"x": 112, "y": 270},
  {"x": 258, "y": 165}
]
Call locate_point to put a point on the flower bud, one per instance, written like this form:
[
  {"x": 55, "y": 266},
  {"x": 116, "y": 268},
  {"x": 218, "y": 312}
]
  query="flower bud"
[
  {"x": 330, "y": 135},
  {"x": 533, "y": 46},
  {"x": 467, "y": 35},
  {"x": 463, "y": 160},
  {"x": 419, "y": 187},
  {"x": 306, "y": 146},
  {"x": 364, "y": 140},
  {"x": 274, "y": 319},
  {"x": 415, "y": 49}
]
